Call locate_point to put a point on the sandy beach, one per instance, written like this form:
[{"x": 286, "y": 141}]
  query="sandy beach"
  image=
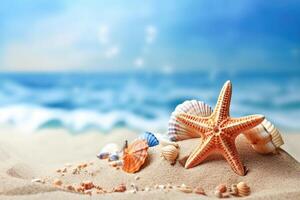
[{"x": 28, "y": 156}]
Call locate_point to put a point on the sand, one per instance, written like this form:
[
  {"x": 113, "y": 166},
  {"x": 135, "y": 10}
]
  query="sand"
[{"x": 27, "y": 156}]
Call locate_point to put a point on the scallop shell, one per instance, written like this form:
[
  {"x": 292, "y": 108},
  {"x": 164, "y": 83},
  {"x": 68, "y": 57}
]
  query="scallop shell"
[
  {"x": 177, "y": 130},
  {"x": 170, "y": 153},
  {"x": 264, "y": 138},
  {"x": 243, "y": 189},
  {"x": 150, "y": 138}
]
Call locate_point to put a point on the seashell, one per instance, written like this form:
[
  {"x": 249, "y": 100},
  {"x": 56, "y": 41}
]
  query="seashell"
[
  {"x": 185, "y": 189},
  {"x": 222, "y": 188},
  {"x": 178, "y": 131},
  {"x": 120, "y": 188},
  {"x": 134, "y": 156},
  {"x": 264, "y": 138},
  {"x": 170, "y": 153},
  {"x": 113, "y": 157},
  {"x": 234, "y": 190},
  {"x": 218, "y": 194},
  {"x": 116, "y": 163},
  {"x": 164, "y": 140},
  {"x": 107, "y": 150},
  {"x": 199, "y": 190},
  {"x": 243, "y": 189},
  {"x": 150, "y": 138}
]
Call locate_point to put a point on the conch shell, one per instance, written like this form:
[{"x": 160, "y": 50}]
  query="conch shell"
[
  {"x": 170, "y": 153},
  {"x": 178, "y": 131},
  {"x": 264, "y": 138}
]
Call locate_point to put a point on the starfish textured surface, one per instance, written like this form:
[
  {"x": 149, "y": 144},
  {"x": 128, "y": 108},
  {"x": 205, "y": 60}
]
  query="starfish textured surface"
[{"x": 219, "y": 131}]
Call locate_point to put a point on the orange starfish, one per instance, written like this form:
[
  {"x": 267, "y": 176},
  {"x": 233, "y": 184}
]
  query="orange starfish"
[{"x": 219, "y": 131}]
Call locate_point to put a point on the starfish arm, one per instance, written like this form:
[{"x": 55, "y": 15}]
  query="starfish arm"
[
  {"x": 231, "y": 155},
  {"x": 200, "y": 153},
  {"x": 193, "y": 122},
  {"x": 235, "y": 126},
  {"x": 221, "y": 110}
]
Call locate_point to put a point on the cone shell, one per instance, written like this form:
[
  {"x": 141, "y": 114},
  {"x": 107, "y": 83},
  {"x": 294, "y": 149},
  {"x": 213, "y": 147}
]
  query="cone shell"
[
  {"x": 170, "y": 153},
  {"x": 150, "y": 138},
  {"x": 243, "y": 189},
  {"x": 134, "y": 156},
  {"x": 264, "y": 138},
  {"x": 178, "y": 131}
]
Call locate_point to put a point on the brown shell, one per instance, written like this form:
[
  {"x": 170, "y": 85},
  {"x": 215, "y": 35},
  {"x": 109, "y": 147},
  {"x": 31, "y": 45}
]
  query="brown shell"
[
  {"x": 170, "y": 153},
  {"x": 243, "y": 189}
]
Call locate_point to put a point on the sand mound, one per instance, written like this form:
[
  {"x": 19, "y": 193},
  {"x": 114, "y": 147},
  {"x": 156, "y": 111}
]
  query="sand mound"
[{"x": 270, "y": 175}]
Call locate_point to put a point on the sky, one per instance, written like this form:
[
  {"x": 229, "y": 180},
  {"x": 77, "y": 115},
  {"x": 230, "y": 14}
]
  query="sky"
[{"x": 118, "y": 35}]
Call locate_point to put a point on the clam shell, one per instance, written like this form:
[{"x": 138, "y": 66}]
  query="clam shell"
[
  {"x": 150, "y": 138},
  {"x": 178, "y": 131},
  {"x": 170, "y": 153},
  {"x": 243, "y": 189},
  {"x": 264, "y": 138}
]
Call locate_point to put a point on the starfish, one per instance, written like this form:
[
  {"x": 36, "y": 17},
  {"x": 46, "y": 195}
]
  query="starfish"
[{"x": 219, "y": 131}]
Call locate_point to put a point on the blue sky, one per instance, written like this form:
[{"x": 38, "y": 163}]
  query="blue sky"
[{"x": 64, "y": 35}]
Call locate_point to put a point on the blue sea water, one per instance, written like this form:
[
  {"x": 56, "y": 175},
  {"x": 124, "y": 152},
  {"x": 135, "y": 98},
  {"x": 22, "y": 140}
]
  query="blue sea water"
[{"x": 142, "y": 101}]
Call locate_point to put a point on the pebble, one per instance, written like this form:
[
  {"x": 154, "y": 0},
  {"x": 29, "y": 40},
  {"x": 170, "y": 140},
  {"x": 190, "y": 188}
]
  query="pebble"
[
  {"x": 120, "y": 188},
  {"x": 70, "y": 187},
  {"x": 87, "y": 185},
  {"x": 57, "y": 182},
  {"x": 222, "y": 188},
  {"x": 199, "y": 190},
  {"x": 185, "y": 189},
  {"x": 88, "y": 192},
  {"x": 218, "y": 194},
  {"x": 37, "y": 180}
]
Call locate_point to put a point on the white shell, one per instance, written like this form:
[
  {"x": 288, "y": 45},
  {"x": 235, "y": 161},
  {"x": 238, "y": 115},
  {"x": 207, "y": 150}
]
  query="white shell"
[
  {"x": 264, "y": 138},
  {"x": 177, "y": 130},
  {"x": 243, "y": 189},
  {"x": 110, "y": 148},
  {"x": 164, "y": 140},
  {"x": 170, "y": 153}
]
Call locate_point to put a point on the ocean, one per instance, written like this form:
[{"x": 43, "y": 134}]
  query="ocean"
[{"x": 139, "y": 100}]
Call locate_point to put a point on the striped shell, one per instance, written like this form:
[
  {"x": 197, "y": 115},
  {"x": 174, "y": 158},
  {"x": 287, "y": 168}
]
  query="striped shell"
[
  {"x": 178, "y": 131},
  {"x": 150, "y": 138},
  {"x": 170, "y": 153},
  {"x": 243, "y": 189},
  {"x": 134, "y": 156},
  {"x": 264, "y": 138}
]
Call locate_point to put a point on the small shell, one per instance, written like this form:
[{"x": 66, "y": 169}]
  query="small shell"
[
  {"x": 107, "y": 150},
  {"x": 264, "y": 138},
  {"x": 164, "y": 140},
  {"x": 116, "y": 163},
  {"x": 185, "y": 189},
  {"x": 222, "y": 188},
  {"x": 234, "y": 190},
  {"x": 150, "y": 138},
  {"x": 120, "y": 188},
  {"x": 199, "y": 190},
  {"x": 243, "y": 189},
  {"x": 170, "y": 153},
  {"x": 113, "y": 157},
  {"x": 178, "y": 131}
]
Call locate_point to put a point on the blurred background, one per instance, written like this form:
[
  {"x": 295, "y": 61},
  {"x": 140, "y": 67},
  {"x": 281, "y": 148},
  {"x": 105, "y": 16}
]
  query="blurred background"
[{"x": 97, "y": 65}]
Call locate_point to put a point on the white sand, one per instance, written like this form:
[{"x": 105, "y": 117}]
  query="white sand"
[{"x": 38, "y": 155}]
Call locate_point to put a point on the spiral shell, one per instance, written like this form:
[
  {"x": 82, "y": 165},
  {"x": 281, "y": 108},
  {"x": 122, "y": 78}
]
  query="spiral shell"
[
  {"x": 264, "y": 138},
  {"x": 170, "y": 153},
  {"x": 243, "y": 189},
  {"x": 178, "y": 131},
  {"x": 107, "y": 150}
]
